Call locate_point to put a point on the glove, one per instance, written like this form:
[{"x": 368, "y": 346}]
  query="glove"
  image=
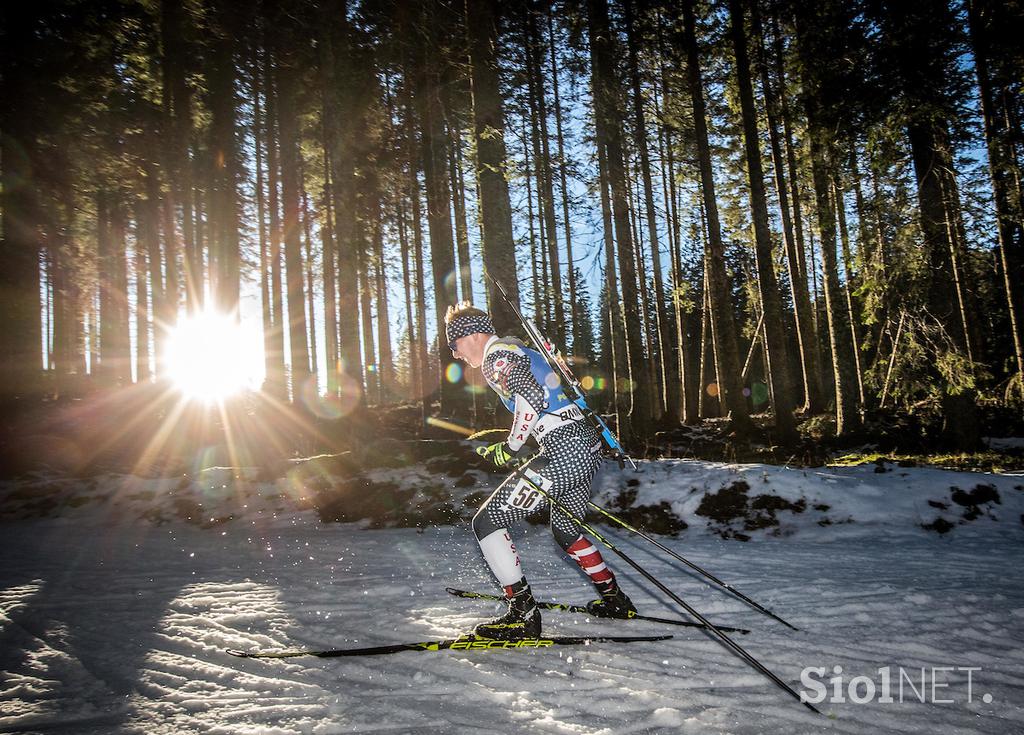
[{"x": 499, "y": 454}]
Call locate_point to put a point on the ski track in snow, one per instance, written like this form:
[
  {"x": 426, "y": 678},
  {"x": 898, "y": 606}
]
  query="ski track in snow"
[{"x": 122, "y": 628}]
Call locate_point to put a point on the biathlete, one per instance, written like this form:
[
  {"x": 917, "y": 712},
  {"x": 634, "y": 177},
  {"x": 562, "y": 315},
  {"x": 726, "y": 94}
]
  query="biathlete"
[{"x": 570, "y": 453}]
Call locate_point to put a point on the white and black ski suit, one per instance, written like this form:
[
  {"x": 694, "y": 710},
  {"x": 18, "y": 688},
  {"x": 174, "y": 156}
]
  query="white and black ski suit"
[{"x": 570, "y": 447}]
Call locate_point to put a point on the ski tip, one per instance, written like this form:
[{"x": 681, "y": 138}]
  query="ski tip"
[
  {"x": 811, "y": 707},
  {"x": 633, "y": 639},
  {"x": 240, "y": 654}
]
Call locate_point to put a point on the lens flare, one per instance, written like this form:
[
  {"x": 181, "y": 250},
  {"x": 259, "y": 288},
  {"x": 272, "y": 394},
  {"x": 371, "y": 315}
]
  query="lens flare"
[{"x": 334, "y": 404}]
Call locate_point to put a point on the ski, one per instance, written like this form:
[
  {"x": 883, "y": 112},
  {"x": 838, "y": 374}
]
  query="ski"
[
  {"x": 463, "y": 643},
  {"x": 581, "y": 609}
]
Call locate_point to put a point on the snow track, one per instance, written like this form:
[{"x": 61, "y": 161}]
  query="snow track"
[{"x": 122, "y": 628}]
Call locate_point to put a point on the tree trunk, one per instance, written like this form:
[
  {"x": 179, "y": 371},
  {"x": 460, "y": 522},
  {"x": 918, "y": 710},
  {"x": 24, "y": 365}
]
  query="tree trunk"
[
  {"x": 574, "y": 317},
  {"x": 225, "y": 163},
  {"x": 410, "y": 298},
  {"x": 287, "y": 81},
  {"x": 420, "y": 351},
  {"x": 543, "y": 287},
  {"x": 344, "y": 118},
  {"x": 142, "y": 368},
  {"x": 366, "y": 312},
  {"x": 68, "y": 310},
  {"x": 458, "y": 186},
  {"x": 680, "y": 378},
  {"x": 164, "y": 305},
  {"x": 931, "y": 159},
  {"x": 875, "y": 322},
  {"x": 93, "y": 328},
  {"x": 166, "y": 301},
  {"x": 179, "y": 172},
  {"x": 57, "y": 278},
  {"x": 330, "y": 275},
  {"x": 434, "y": 143},
  {"x": 120, "y": 326},
  {"x": 686, "y": 396},
  {"x": 534, "y": 51},
  {"x": 618, "y": 365},
  {"x": 961, "y": 269},
  {"x": 823, "y": 164},
  {"x": 20, "y": 338},
  {"x": 848, "y": 285},
  {"x": 200, "y": 188},
  {"x": 489, "y": 135},
  {"x": 650, "y": 328},
  {"x": 538, "y": 282},
  {"x": 274, "y": 340},
  {"x": 915, "y": 29},
  {"x": 149, "y": 239},
  {"x": 659, "y": 339},
  {"x": 722, "y": 322},
  {"x": 105, "y": 318},
  {"x": 608, "y": 129},
  {"x": 806, "y": 339},
  {"x": 386, "y": 371},
  {"x": 261, "y": 224},
  {"x": 771, "y": 303},
  {"x": 991, "y": 23},
  {"x": 310, "y": 290},
  {"x": 707, "y": 358}
]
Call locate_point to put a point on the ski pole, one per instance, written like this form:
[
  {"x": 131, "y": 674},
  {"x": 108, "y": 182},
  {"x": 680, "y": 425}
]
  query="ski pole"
[
  {"x": 726, "y": 640},
  {"x": 757, "y": 606}
]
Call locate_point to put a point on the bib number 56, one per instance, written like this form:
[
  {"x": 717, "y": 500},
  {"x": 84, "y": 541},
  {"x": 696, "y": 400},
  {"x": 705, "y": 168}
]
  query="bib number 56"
[{"x": 525, "y": 496}]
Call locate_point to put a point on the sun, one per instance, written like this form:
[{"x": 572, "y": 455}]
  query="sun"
[{"x": 211, "y": 356}]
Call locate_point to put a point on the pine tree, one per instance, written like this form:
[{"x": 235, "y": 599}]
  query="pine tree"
[
  {"x": 821, "y": 30},
  {"x": 774, "y": 342},
  {"x": 482, "y": 21},
  {"x": 722, "y": 331},
  {"x": 608, "y": 128}
]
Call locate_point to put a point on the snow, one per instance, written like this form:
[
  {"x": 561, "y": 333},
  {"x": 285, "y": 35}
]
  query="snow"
[
  {"x": 116, "y": 610},
  {"x": 1005, "y": 442}
]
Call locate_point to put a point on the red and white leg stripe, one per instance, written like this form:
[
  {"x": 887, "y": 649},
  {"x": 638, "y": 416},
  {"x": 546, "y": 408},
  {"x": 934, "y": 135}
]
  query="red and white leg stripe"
[{"x": 590, "y": 560}]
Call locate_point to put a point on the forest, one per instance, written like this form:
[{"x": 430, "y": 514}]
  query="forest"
[{"x": 791, "y": 218}]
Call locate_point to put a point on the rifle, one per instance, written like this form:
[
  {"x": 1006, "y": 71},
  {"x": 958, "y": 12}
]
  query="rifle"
[{"x": 570, "y": 385}]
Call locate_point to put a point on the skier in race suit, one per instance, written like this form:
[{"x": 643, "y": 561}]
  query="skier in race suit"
[{"x": 569, "y": 458}]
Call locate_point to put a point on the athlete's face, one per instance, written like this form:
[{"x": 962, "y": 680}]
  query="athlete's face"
[{"x": 469, "y": 349}]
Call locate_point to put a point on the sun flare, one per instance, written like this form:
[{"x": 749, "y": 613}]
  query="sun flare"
[{"x": 211, "y": 356}]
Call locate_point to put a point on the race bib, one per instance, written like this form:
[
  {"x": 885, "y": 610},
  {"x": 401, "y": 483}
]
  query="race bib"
[{"x": 525, "y": 496}]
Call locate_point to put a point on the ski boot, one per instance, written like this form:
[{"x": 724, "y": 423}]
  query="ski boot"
[
  {"x": 522, "y": 619},
  {"x": 613, "y": 603}
]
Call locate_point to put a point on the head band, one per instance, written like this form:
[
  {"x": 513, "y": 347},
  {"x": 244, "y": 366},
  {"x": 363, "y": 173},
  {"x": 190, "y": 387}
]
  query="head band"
[{"x": 463, "y": 326}]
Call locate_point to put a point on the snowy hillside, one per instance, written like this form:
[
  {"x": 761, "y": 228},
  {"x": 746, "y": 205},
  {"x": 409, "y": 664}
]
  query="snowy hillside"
[
  {"x": 119, "y": 596},
  {"x": 422, "y": 484}
]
